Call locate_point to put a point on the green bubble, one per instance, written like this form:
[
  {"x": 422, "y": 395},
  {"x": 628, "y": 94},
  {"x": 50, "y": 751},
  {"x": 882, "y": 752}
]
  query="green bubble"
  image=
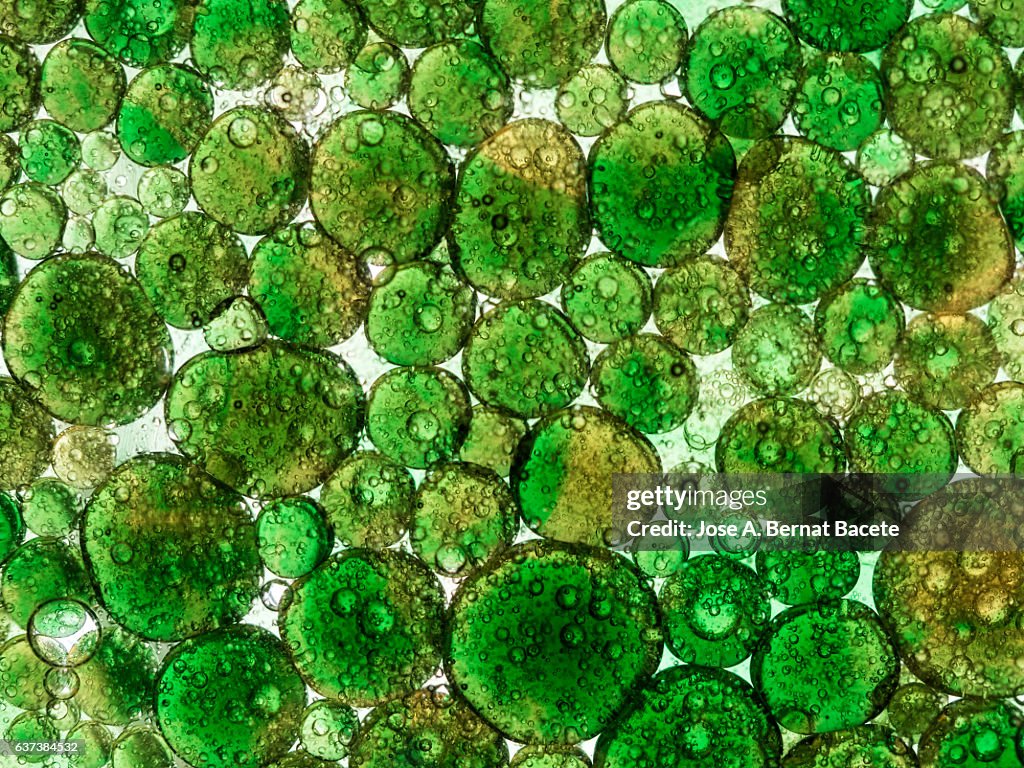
[
  {"x": 743, "y": 71},
  {"x": 912, "y": 709},
  {"x": 420, "y": 315},
  {"x": 458, "y": 93},
  {"x": 368, "y": 500},
  {"x": 646, "y": 40},
  {"x": 701, "y": 305},
  {"x": 428, "y": 727},
  {"x": 293, "y": 536},
  {"x": 779, "y": 435},
  {"x": 715, "y": 611},
  {"x": 521, "y": 217},
  {"x": 418, "y": 23},
  {"x": 646, "y": 381},
  {"x": 188, "y": 265},
  {"x": 164, "y": 114},
  {"x": 49, "y": 152},
  {"x": 365, "y": 627},
  {"x": 675, "y": 207},
  {"x": 1002, "y": 20},
  {"x": 10, "y": 162},
  {"x": 139, "y": 32},
  {"x": 892, "y": 434},
  {"x": 49, "y": 507},
  {"x": 164, "y": 191},
  {"x": 230, "y": 698},
  {"x": 950, "y": 87},
  {"x": 39, "y": 21},
  {"x": 600, "y": 634},
  {"x": 562, "y": 473},
  {"x": 825, "y": 666},
  {"x": 860, "y": 325},
  {"x": 121, "y": 226},
  {"x": 100, "y": 151},
  {"x": 19, "y": 84},
  {"x": 141, "y": 747},
  {"x": 990, "y": 430},
  {"x": 22, "y": 675},
  {"x": 839, "y": 104},
  {"x": 463, "y": 516},
  {"x": 82, "y": 336},
  {"x": 526, "y": 358},
  {"x": 117, "y": 685},
  {"x": 1005, "y": 170},
  {"x": 96, "y": 745},
  {"x": 378, "y": 77},
  {"x": 254, "y": 445},
  {"x": 41, "y": 570},
  {"x": 32, "y": 220},
  {"x": 236, "y": 323},
  {"x": 872, "y": 745},
  {"x": 381, "y": 183},
  {"x": 25, "y": 435},
  {"x": 250, "y": 171},
  {"x": 418, "y": 416},
  {"x": 492, "y": 439},
  {"x": 777, "y": 350},
  {"x": 240, "y": 44},
  {"x": 592, "y": 100},
  {"x": 84, "y": 192},
  {"x": 693, "y": 716},
  {"x": 607, "y": 298},
  {"x": 883, "y": 157},
  {"x": 83, "y": 457},
  {"x": 82, "y": 85},
  {"x": 327, "y": 35},
  {"x": 328, "y": 729},
  {"x": 847, "y": 25},
  {"x": 943, "y": 361},
  {"x": 204, "y": 577},
  {"x": 796, "y": 577},
  {"x": 798, "y": 223},
  {"x": 1006, "y": 323},
  {"x": 972, "y": 734},
  {"x": 542, "y": 42},
  {"x": 938, "y": 241},
  {"x": 12, "y": 528}
]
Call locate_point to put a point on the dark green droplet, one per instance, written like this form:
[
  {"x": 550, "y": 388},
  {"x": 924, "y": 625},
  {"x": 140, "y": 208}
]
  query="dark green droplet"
[
  {"x": 847, "y": 25},
  {"x": 873, "y": 745},
  {"x": 141, "y": 747},
  {"x": 418, "y": 416},
  {"x": 140, "y": 32},
  {"x": 19, "y": 84},
  {"x": 526, "y": 358},
  {"x": 743, "y": 71},
  {"x": 795, "y": 577},
  {"x": 675, "y": 207},
  {"x": 39, "y": 21},
  {"x": 521, "y": 217},
  {"x": 458, "y": 93},
  {"x": 41, "y": 570},
  {"x": 798, "y": 223},
  {"x": 365, "y": 627},
  {"x": 26, "y": 432},
  {"x": 164, "y": 572},
  {"x": 32, "y": 220},
  {"x": 117, "y": 685},
  {"x": 972, "y": 733},
  {"x": 293, "y": 536},
  {"x": 230, "y": 698},
  {"x": 165, "y": 112},
  {"x": 1005, "y": 170},
  {"x": 224, "y": 412},
  {"x": 600, "y": 634},
  {"x": 82, "y": 335},
  {"x": 825, "y": 666},
  {"x": 250, "y": 171},
  {"x": 188, "y": 265},
  {"x": 839, "y": 104},
  {"x": 50, "y": 507}
]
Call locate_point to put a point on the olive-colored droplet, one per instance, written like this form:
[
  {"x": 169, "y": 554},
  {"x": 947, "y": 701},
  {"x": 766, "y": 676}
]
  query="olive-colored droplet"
[
  {"x": 328, "y": 729},
  {"x": 327, "y": 35},
  {"x": 82, "y": 85},
  {"x": 379, "y": 76},
  {"x": 32, "y": 220},
  {"x": 39, "y": 21},
  {"x": 19, "y": 84},
  {"x": 863, "y": 745},
  {"x": 418, "y": 23},
  {"x": 83, "y": 457},
  {"x": 164, "y": 191},
  {"x": 883, "y": 157},
  {"x": 646, "y": 39},
  {"x": 223, "y": 413},
  {"x": 236, "y": 323},
  {"x": 990, "y": 430},
  {"x": 592, "y": 100},
  {"x": 83, "y": 337},
  {"x": 240, "y": 44},
  {"x": 368, "y": 500},
  {"x": 492, "y": 439}
]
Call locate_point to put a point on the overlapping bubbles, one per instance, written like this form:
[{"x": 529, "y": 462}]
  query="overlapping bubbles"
[{"x": 327, "y": 324}]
